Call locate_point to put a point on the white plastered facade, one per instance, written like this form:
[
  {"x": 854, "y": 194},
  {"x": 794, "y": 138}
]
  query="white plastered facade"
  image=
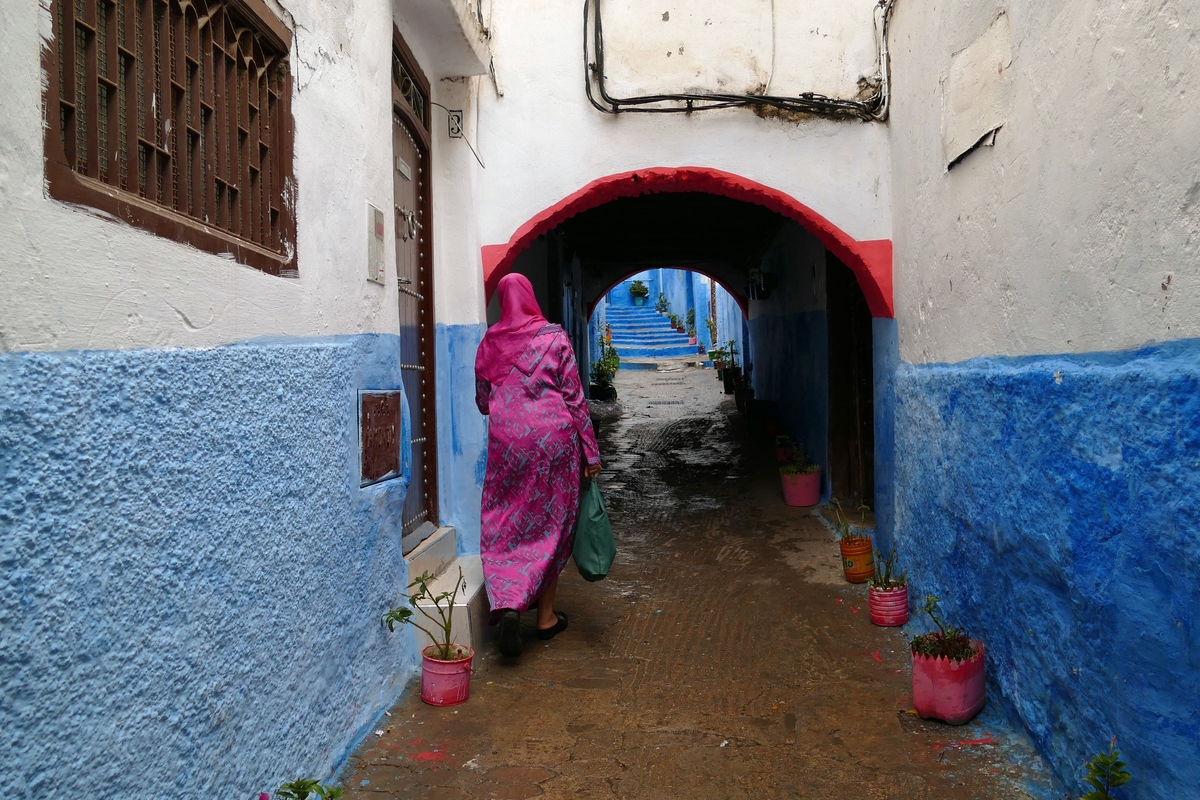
[{"x": 1079, "y": 230}]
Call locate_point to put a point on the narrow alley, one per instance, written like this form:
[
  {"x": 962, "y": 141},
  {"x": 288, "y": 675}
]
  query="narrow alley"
[{"x": 725, "y": 656}]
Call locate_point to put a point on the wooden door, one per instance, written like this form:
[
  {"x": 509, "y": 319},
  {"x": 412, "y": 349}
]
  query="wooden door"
[
  {"x": 851, "y": 389},
  {"x": 414, "y": 263}
]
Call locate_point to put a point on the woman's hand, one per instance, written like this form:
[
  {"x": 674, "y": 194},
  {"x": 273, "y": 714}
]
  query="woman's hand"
[{"x": 592, "y": 470}]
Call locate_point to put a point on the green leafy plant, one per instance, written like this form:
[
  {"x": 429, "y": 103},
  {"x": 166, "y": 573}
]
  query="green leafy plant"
[
  {"x": 798, "y": 469},
  {"x": 946, "y": 641},
  {"x": 732, "y": 348},
  {"x": 691, "y": 318},
  {"x": 605, "y": 368},
  {"x": 886, "y": 575},
  {"x": 674, "y": 318},
  {"x": 638, "y": 289},
  {"x": 784, "y": 440},
  {"x": 1106, "y": 771},
  {"x": 662, "y": 306},
  {"x": 841, "y": 524},
  {"x": 691, "y": 331},
  {"x": 304, "y": 788},
  {"x": 443, "y": 623}
]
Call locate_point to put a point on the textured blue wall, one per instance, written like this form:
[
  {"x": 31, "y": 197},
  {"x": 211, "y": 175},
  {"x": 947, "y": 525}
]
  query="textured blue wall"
[
  {"x": 462, "y": 433},
  {"x": 885, "y": 358},
  {"x": 1052, "y": 503},
  {"x": 192, "y": 578},
  {"x": 791, "y": 367}
]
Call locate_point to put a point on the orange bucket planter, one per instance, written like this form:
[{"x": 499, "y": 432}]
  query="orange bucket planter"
[{"x": 858, "y": 559}]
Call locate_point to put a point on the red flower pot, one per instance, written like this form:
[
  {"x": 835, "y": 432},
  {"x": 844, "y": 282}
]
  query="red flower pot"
[
  {"x": 952, "y": 691},
  {"x": 445, "y": 683},
  {"x": 801, "y": 490},
  {"x": 888, "y": 607}
]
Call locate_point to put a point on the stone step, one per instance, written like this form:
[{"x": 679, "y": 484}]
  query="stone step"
[
  {"x": 434, "y": 554},
  {"x": 471, "y": 610}
]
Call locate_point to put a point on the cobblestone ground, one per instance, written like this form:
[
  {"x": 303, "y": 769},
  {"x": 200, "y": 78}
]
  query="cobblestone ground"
[{"x": 725, "y": 656}]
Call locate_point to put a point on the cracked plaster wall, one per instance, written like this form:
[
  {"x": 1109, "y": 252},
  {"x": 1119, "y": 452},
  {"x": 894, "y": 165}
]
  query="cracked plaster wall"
[{"x": 1079, "y": 230}]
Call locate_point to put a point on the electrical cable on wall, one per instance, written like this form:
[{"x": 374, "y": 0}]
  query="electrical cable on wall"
[
  {"x": 874, "y": 107},
  {"x": 461, "y": 134}
]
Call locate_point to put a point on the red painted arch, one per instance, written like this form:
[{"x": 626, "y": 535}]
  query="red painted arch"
[{"x": 870, "y": 261}]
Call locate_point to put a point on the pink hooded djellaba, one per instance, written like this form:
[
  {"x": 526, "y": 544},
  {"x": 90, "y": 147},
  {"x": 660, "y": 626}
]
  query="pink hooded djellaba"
[{"x": 539, "y": 434}]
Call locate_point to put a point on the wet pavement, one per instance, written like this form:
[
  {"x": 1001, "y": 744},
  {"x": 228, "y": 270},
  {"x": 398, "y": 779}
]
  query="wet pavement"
[{"x": 725, "y": 655}]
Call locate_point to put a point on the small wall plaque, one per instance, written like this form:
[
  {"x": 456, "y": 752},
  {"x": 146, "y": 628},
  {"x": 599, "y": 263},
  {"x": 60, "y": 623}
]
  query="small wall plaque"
[{"x": 380, "y": 426}]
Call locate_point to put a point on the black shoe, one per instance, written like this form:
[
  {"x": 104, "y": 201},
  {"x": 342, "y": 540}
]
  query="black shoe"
[
  {"x": 558, "y": 628},
  {"x": 510, "y": 633}
]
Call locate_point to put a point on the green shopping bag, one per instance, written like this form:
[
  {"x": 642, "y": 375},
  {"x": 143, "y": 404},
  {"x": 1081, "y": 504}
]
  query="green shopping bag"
[{"x": 594, "y": 548}]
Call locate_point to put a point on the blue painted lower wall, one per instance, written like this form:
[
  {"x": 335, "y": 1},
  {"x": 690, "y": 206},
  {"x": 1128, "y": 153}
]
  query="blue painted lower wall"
[
  {"x": 192, "y": 578},
  {"x": 462, "y": 433},
  {"x": 790, "y": 353},
  {"x": 1052, "y": 503}
]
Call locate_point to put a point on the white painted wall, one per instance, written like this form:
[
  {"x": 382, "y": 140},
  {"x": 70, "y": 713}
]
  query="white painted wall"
[
  {"x": 747, "y": 47},
  {"x": 73, "y": 279},
  {"x": 1062, "y": 236},
  {"x": 542, "y": 140}
]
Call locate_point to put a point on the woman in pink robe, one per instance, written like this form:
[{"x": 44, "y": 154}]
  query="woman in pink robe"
[{"x": 539, "y": 436}]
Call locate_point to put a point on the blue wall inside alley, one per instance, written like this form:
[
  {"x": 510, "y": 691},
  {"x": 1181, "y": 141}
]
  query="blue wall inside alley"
[
  {"x": 1050, "y": 502},
  {"x": 192, "y": 577},
  {"x": 462, "y": 433},
  {"x": 791, "y": 368}
]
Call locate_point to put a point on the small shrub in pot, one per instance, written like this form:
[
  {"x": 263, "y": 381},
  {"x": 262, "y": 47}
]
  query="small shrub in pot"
[
  {"x": 887, "y": 595},
  {"x": 948, "y": 671}
]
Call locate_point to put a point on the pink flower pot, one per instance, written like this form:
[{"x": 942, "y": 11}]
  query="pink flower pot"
[
  {"x": 691, "y": 340},
  {"x": 783, "y": 455},
  {"x": 801, "y": 490},
  {"x": 952, "y": 691},
  {"x": 888, "y": 607},
  {"x": 445, "y": 683}
]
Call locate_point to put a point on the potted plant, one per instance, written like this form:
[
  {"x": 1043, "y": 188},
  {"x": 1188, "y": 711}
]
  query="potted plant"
[
  {"x": 607, "y": 333},
  {"x": 303, "y": 789},
  {"x": 858, "y": 562},
  {"x": 661, "y": 306},
  {"x": 691, "y": 332},
  {"x": 445, "y": 665},
  {"x": 711, "y": 324},
  {"x": 732, "y": 372},
  {"x": 784, "y": 447},
  {"x": 720, "y": 358},
  {"x": 673, "y": 319},
  {"x": 603, "y": 372},
  {"x": 887, "y": 595},
  {"x": 801, "y": 482},
  {"x": 948, "y": 674},
  {"x": 639, "y": 291}
]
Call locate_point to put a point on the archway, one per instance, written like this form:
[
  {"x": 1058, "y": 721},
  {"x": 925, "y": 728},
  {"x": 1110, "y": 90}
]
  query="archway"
[{"x": 870, "y": 261}]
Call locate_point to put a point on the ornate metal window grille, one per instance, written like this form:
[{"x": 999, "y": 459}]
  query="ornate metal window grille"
[
  {"x": 410, "y": 89},
  {"x": 174, "y": 115}
]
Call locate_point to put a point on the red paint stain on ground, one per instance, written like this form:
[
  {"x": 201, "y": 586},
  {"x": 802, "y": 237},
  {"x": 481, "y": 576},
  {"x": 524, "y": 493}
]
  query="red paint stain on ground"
[
  {"x": 875, "y": 656},
  {"x": 414, "y": 743},
  {"x": 854, "y": 609},
  {"x": 430, "y": 755},
  {"x": 837, "y": 601},
  {"x": 988, "y": 739}
]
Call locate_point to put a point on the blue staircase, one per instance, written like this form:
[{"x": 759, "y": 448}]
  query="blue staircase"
[{"x": 641, "y": 332}]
